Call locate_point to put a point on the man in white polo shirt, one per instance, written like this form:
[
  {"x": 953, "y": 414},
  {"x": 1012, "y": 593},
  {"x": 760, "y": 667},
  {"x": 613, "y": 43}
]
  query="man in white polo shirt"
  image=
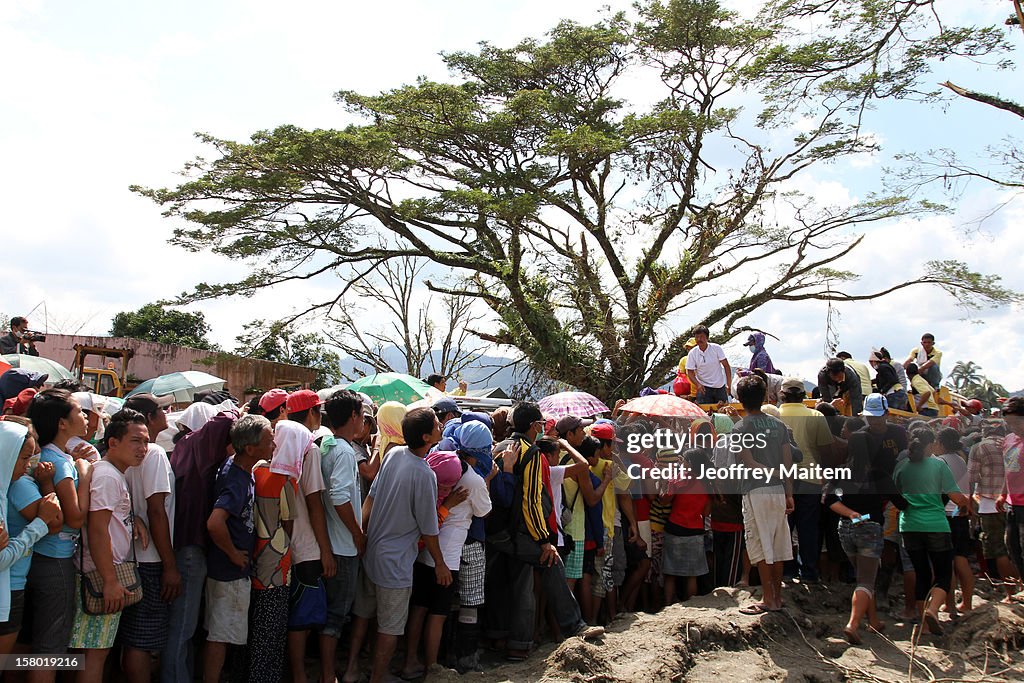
[{"x": 708, "y": 369}]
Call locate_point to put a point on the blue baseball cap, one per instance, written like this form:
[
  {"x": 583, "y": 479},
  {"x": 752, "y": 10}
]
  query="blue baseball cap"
[
  {"x": 875, "y": 405},
  {"x": 446, "y": 405}
]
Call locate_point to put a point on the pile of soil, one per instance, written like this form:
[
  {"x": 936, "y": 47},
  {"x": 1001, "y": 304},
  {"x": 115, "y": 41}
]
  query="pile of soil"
[{"x": 708, "y": 639}]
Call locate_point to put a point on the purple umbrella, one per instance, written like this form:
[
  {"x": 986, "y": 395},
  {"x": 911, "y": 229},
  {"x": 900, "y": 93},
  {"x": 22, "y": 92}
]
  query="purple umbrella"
[{"x": 578, "y": 403}]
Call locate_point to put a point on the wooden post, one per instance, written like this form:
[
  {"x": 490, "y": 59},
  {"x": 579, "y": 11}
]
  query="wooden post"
[{"x": 1020, "y": 13}]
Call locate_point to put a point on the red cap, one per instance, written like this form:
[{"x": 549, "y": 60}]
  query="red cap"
[
  {"x": 303, "y": 399},
  {"x": 604, "y": 431},
  {"x": 975, "y": 406},
  {"x": 22, "y": 401},
  {"x": 273, "y": 399}
]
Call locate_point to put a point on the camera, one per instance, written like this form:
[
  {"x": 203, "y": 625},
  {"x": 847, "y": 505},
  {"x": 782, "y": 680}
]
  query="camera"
[{"x": 29, "y": 335}]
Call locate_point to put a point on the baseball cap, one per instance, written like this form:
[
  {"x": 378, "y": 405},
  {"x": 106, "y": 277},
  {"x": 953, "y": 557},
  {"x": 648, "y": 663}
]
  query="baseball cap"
[
  {"x": 875, "y": 405},
  {"x": 604, "y": 431},
  {"x": 15, "y": 380},
  {"x": 690, "y": 343},
  {"x": 303, "y": 399},
  {"x": 147, "y": 404},
  {"x": 367, "y": 404},
  {"x": 446, "y": 405},
  {"x": 273, "y": 399},
  {"x": 794, "y": 385},
  {"x": 570, "y": 422},
  {"x": 750, "y": 341},
  {"x": 975, "y": 405},
  {"x": 19, "y": 404}
]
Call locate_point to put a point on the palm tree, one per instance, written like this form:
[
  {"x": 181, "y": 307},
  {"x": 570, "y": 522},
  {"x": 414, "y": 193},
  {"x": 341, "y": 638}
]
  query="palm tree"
[
  {"x": 988, "y": 392},
  {"x": 965, "y": 377}
]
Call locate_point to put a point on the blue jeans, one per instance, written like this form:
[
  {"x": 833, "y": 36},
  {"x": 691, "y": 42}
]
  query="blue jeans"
[
  {"x": 897, "y": 399},
  {"x": 562, "y": 603},
  {"x": 713, "y": 395},
  {"x": 341, "y": 593},
  {"x": 177, "y": 658}
]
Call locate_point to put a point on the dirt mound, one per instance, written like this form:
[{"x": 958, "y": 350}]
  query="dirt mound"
[
  {"x": 994, "y": 627},
  {"x": 708, "y": 640}
]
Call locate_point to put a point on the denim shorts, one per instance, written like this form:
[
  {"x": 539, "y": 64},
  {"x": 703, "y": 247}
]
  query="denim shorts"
[
  {"x": 341, "y": 593},
  {"x": 863, "y": 539}
]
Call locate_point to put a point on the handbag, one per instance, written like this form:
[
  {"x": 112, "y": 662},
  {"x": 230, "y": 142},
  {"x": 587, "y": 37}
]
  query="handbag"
[
  {"x": 92, "y": 587},
  {"x": 127, "y": 573}
]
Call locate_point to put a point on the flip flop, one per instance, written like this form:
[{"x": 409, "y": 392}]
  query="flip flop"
[
  {"x": 754, "y": 610},
  {"x": 933, "y": 624}
]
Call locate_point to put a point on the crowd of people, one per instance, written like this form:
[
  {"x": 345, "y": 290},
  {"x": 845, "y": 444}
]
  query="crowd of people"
[{"x": 295, "y": 528}]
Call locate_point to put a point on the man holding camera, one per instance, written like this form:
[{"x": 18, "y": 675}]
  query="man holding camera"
[{"x": 19, "y": 339}]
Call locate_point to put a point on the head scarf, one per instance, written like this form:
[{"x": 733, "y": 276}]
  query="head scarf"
[
  {"x": 475, "y": 439},
  {"x": 478, "y": 417},
  {"x": 723, "y": 423},
  {"x": 291, "y": 441},
  {"x": 12, "y": 438},
  {"x": 196, "y": 415},
  {"x": 389, "y": 424},
  {"x": 448, "y": 469}
]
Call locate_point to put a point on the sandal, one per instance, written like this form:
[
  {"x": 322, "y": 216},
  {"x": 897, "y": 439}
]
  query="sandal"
[
  {"x": 852, "y": 637},
  {"x": 755, "y": 609},
  {"x": 933, "y": 624}
]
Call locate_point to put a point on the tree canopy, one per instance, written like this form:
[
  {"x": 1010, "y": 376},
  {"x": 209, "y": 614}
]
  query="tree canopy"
[
  {"x": 155, "y": 323},
  {"x": 596, "y": 222},
  {"x": 274, "y": 341}
]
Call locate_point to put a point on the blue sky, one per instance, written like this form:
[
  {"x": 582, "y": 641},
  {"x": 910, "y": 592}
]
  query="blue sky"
[{"x": 97, "y": 96}]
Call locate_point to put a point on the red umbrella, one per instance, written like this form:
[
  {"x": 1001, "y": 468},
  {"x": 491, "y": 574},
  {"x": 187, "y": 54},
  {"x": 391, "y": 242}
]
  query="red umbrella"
[{"x": 663, "y": 405}]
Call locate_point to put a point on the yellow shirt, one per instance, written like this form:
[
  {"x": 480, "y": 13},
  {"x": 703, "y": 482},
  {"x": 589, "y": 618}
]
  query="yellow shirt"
[
  {"x": 936, "y": 356},
  {"x": 862, "y": 372},
  {"x": 620, "y": 483},
  {"x": 921, "y": 385}
]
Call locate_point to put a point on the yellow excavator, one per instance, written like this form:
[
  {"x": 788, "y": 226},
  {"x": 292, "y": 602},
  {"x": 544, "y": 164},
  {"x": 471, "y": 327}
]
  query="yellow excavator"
[{"x": 107, "y": 379}]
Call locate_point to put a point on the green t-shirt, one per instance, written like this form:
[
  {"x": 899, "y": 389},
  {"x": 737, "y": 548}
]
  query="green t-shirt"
[{"x": 923, "y": 484}]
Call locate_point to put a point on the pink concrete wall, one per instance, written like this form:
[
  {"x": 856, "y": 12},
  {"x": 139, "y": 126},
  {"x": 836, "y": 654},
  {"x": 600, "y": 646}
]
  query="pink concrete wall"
[{"x": 152, "y": 360}]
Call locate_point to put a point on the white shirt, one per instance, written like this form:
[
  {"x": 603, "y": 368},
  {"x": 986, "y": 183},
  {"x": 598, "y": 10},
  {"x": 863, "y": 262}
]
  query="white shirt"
[
  {"x": 153, "y": 476},
  {"x": 452, "y": 534},
  {"x": 108, "y": 491},
  {"x": 707, "y": 365},
  {"x": 304, "y": 545}
]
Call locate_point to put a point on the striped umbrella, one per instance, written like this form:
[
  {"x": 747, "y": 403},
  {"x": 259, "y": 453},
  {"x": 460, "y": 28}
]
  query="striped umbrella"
[
  {"x": 663, "y": 405},
  {"x": 578, "y": 403}
]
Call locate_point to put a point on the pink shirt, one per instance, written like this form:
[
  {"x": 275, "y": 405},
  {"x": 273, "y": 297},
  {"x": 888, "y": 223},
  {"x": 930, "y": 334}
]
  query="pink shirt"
[{"x": 1013, "y": 459}]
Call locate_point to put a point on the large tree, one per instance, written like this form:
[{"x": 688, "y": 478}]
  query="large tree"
[
  {"x": 591, "y": 214},
  {"x": 275, "y": 341},
  {"x": 155, "y": 323}
]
